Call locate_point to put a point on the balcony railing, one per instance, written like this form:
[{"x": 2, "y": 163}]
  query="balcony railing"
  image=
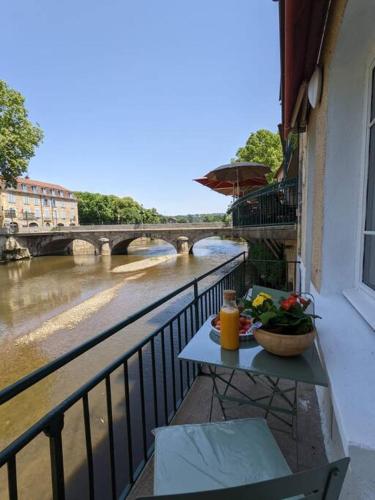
[
  {"x": 272, "y": 205},
  {"x": 154, "y": 384},
  {"x": 28, "y": 216},
  {"x": 10, "y": 213}
]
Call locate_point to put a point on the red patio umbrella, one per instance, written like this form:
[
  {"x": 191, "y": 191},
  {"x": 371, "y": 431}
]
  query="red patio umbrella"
[{"x": 236, "y": 179}]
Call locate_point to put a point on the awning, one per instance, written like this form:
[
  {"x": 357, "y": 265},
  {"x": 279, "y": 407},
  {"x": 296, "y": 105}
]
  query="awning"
[{"x": 302, "y": 25}]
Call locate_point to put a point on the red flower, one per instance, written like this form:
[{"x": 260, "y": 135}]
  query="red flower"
[{"x": 286, "y": 304}]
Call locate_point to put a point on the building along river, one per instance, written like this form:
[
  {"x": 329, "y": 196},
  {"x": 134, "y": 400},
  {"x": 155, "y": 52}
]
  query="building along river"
[{"x": 50, "y": 304}]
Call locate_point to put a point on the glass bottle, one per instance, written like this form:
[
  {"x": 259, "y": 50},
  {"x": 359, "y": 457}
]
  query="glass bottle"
[{"x": 229, "y": 321}]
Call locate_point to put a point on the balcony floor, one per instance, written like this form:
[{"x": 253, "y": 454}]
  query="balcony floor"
[{"x": 308, "y": 451}]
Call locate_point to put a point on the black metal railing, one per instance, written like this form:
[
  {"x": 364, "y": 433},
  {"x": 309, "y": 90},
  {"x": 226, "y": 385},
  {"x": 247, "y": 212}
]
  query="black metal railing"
[
  {"x": 278, "y": 274},
  {"x": 153, "y": 384},
  {"x": 28, "y": 216},
  {"x": 271, "y": 205},
  {"x": 11, "y": 213}
]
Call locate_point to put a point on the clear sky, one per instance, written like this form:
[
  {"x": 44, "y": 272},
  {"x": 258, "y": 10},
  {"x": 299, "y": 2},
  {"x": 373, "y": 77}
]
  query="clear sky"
[{"x": 138, "y": 97}]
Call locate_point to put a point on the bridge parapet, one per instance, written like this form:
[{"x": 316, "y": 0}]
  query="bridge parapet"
[{"x": 115, "y": 227}]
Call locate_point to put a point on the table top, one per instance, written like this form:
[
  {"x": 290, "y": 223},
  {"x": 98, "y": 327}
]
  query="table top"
[{"x": 205, "y": 348}]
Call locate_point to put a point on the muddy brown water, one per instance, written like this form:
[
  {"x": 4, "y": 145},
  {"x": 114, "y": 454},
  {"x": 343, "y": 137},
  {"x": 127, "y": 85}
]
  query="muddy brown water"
[{"x": 49, "y": 305}]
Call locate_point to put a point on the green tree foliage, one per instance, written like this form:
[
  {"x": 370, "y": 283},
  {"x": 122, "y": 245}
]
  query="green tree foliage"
[
  {"x": 262, "y": 146},
  {"x": 18, "y": 136},
  {"x": 199, "y": 218},
  {"x": 96, "y": 208}
]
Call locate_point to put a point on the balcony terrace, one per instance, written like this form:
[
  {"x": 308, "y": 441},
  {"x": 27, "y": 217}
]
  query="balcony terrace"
[
  {"x": 272, "y": 205},
  {"x": 101, "y": 454}
]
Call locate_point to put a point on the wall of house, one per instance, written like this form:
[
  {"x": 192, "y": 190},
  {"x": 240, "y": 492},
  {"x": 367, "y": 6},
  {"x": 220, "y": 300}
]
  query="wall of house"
[
  {"x": 313, "y": 157},
  {"x": 334, "y": 159},
  {"x": 30, "y": 210}
]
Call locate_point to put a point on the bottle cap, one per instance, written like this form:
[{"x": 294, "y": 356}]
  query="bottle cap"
[{"x": 229, "y": 294}]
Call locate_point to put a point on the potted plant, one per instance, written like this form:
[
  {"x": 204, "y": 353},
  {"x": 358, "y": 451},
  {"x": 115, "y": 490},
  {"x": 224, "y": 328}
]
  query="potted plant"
[{"x": 286, "y": 328}]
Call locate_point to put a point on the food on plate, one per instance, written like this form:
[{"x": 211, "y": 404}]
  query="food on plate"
[{"x": 244, "y": 324}]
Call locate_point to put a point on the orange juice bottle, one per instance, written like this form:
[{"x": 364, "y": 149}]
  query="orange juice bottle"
[{"x": 229, "y": 320}]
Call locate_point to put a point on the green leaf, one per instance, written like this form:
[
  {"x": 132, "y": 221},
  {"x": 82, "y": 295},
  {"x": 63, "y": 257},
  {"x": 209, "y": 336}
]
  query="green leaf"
[{"x": 267, "y": 316}]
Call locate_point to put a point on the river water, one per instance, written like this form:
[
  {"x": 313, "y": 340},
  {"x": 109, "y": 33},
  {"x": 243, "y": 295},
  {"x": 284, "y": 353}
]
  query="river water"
[{"x": 50, "y": 304}]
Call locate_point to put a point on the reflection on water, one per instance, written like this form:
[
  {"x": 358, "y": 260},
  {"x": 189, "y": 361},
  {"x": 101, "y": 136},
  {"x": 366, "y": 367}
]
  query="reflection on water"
[{"x": 50, "y": 304}]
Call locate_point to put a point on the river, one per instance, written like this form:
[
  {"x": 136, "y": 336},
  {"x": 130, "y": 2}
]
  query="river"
[{"x": 50, "y": 304}]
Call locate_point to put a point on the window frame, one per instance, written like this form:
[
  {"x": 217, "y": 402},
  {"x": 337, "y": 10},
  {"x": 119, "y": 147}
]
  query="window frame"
[
  {"x": 361, "y": 296},
  {"x": 11, "y": 198},
  {"x": 364, "y": 184}
]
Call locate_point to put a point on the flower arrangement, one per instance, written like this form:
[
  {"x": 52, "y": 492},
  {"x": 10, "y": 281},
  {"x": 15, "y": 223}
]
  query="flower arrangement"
[{"x": 288, "y": 317}]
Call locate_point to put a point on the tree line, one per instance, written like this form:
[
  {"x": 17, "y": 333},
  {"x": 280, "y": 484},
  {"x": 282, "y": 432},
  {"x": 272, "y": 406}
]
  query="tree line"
[{"x": 96, "y": 208}]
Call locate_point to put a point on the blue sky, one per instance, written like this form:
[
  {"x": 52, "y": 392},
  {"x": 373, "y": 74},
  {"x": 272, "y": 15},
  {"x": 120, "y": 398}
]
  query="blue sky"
[{"x": 138, "y": 97}]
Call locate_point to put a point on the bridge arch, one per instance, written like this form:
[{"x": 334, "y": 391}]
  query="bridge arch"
[
  {"x": 63, "y": 245},
  {"x": 120, "y": 245},
  {"x": 205, "y": 236}
]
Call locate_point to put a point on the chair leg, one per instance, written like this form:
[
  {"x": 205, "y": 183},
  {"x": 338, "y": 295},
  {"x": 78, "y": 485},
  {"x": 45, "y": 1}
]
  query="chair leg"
[{"x": 216, "y": 391}]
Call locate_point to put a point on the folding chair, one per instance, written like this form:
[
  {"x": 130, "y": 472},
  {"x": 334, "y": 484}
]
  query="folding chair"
[{"x": 236, "y": 460}]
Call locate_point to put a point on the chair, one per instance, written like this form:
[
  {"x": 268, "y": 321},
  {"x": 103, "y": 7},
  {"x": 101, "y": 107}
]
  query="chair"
[
  {"x": 275, "y": 294},
  {"x": 236, "y": 460}
]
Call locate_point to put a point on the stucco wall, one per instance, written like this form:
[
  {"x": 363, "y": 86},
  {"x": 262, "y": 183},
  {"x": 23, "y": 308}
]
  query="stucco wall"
[
  {"x": 335, "y": 160},
  {"x": 313, "y": 157}
]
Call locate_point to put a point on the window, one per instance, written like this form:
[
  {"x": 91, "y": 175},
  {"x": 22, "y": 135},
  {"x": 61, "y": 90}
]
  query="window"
[
  {"x": 11, "y": 198},
  {"x": 53, "y": 192},
  {"x": 36, "y": 201},
  {"x": 34, "y": 189},
  {"x": 61, "y": 193},
  {"x": 37, "y": 212},
  {"x": 53, "y": 203},
  {"x": 45, "y": 202},
  {"x": 368, "y": 274},
  {"x": 11, "y": 213},
  {"x": 46, "y": 213},
  {"x": 71, "y": 195},
  {"x": 62, "y": 214},
  {"x": 26, "y": 200},
  {"x": 24, "y": 188},
  {"x": 44, "y": 190}
]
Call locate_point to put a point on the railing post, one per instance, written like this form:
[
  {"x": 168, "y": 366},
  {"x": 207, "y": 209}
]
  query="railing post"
[
  {"x": 196, "y": 304},
  {"x": 53, "y": 432}
]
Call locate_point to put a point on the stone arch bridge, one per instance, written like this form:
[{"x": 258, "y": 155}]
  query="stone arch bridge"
[{"x": 115, "y": 239}]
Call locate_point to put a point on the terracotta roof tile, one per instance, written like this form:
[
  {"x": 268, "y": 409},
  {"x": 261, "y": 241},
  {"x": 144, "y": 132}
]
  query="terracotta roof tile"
[{"x": 32, "y": 182}]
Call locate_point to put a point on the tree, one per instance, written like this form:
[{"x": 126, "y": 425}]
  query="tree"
[
  {"x": 262, "y": 146},
  {"x": 96, "y": 208},
  {"x": 18, "y": 136}
]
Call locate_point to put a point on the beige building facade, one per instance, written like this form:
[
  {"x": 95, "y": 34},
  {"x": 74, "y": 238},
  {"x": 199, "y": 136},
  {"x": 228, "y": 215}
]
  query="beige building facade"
[
  {"x": 335, "y": 123},
  {"x": 37, "y": 204}
]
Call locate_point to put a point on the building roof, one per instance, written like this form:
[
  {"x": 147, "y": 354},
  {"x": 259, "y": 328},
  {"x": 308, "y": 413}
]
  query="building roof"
[{"x": 32, "y": 182}]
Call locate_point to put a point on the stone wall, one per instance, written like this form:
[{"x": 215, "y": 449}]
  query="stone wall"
[{"x": 81, "y": 247}]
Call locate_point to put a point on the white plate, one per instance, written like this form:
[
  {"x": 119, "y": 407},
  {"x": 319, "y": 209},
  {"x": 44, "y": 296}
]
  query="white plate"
[{"x": 246, "y": 336}]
